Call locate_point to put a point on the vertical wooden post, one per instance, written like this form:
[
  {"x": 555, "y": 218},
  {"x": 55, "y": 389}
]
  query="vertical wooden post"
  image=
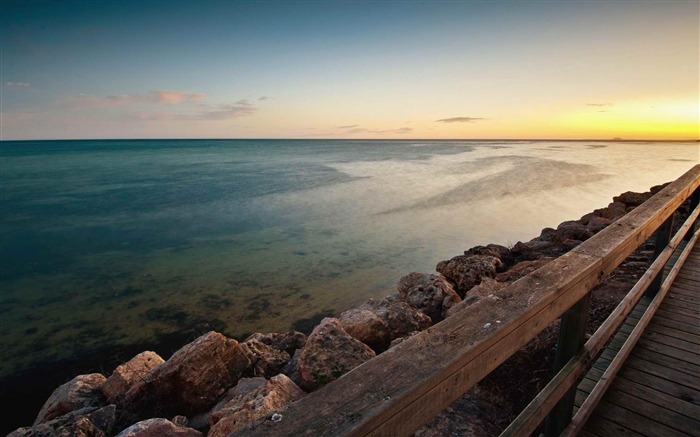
[
  {"x": 572, "y": 336},
  {"x": 694, "y": 201},
  {"x": 663, "y": 236}
]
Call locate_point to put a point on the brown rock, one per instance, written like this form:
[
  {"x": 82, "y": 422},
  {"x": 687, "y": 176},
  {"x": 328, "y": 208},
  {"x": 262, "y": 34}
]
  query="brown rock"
[
  {"x": 429, "y": 293},
  {"x": 467, "y": 271},
  {"x": 597, "y": 224},
  {"x": 192, "y": 380},
  {"x": 487, "y": 287},
  {"x": 365, "y": 325},
  {"x": 632, "y": 199},
  {"x": 242, "y": 410},
  {"x": 158, "y": 428},
  {"x": 201, "y": 421},
  {"x": 613, "y": 211},
  {"x": 287, "y": 341},
  {"x": 80, "y": 392},
  {"x": 521, "y": 269},
  {"x": 498, "y": 251},
  {"x": 329, "y": 353},
  {"x": 264, "y": 360},
  {"x": 129, "y": 373},
  {"x": 573, "y": 230},
  {"x": 400, "y": 340},
  {"x": 87, "y": 422}
]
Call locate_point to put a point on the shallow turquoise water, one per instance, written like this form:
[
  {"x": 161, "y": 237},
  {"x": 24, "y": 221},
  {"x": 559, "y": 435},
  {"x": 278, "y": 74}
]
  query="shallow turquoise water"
[{"x": 109, "y": 244}]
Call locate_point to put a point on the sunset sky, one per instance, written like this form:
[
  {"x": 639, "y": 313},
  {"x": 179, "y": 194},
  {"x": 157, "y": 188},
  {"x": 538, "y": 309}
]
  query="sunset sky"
[{"x": 314, "y": 69}]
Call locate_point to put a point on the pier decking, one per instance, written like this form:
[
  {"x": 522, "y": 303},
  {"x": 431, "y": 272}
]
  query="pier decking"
[{"x": 657, "y": 390}]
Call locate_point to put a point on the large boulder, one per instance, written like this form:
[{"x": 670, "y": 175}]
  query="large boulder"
[
  {"x": 573, "y": 230},
  {"x": 158, "y": 428},
  {"x": 264, "y": 360},
  {"x": 80, "y": 392},
  {"x": 192, "y": 380},
  {"x": 329, "y": 353},
  {"x": 496, "y": 250},
  {"x": 85, "y": 422},
  {"x": 521, "y": 269},
  {"x": 613, "y": 211},
  {"x": 378, "y": 322},
  {"x": 467, "y": 271},
  {"x": 244, "y": 409},
  {"x": 429, "y": 293},
  {"x": 129, "y": 373},
  {"x": 597, "y": 224},
  {"x": 286, "y": 341},
  {"x": 201, "y": 422},
  {"x": 364, "y": 324},
  {"x": 487, "y": 287},
  {"x": 632, "y": 199}
]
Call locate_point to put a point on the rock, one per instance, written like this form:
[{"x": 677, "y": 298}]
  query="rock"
[
  {"x": 498, "y": 251},
  {"x": 158, "y": 428},
  {"x": 291, "y": 368},
  {"x": 521, "y": 269},
  {"x": 80, "y": 392},
  {"x": 429, "y": 293},
  {"x": 192, "y": 380},
  {"x": 366, "y": 326},
  {"x": 400, "y": 340},
  {"x": 180, "y": 420},
  {"x": 467, "y": 271},
  {"x": 613, "y": 211},
  {"x": 630, "y": 198},
  {"x": 573, "y": 230},
  {"x": 329, "y": 353},
  {"x": 129, "y": 373},
  {"x": 597, "y": 224},
  {"x": 201, "y": 421},
  {"x": 288, "y": 341},
  {"x": 548, "y": 234},
  {"x": 487, "y": 287},
  {"x": 85, "y": 422},
  {"x": 377, "y": 322},
  {"x": 244, "y": 409},
  {"x": 264, "y": 360}
]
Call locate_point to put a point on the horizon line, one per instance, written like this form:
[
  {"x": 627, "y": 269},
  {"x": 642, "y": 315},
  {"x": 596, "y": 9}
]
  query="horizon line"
[{"x": 616, "y": 140}]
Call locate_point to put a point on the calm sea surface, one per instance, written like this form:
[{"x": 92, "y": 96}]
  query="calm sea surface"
[{"x": 110, "y": 244}]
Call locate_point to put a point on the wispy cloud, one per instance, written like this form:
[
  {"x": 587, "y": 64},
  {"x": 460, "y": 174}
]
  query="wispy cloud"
[
  {"x": 599, "y": 105},
  {"x": 17, "y": 84},
  {"x": 240, "y": 108},
  {"x": 263, "y": 98},
  {"x": 163, "y": 97},
  {"x": 356, "y": 129},
  {"x": 460, "y": 120}
]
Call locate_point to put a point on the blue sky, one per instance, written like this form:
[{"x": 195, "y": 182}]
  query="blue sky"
[{"x": 127, "y": 69}]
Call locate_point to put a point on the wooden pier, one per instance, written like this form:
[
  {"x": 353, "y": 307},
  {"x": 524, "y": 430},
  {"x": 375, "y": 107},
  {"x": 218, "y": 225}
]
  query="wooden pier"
[{"x": 638, "y": 374}]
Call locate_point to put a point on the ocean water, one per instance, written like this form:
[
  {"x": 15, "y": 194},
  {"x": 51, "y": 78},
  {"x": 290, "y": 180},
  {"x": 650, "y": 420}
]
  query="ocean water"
[{"x": 120, "y": 245}]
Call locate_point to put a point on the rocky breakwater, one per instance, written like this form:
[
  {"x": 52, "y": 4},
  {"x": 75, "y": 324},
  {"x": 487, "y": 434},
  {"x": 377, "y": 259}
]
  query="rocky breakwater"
[{"x": 216, "y": 385}]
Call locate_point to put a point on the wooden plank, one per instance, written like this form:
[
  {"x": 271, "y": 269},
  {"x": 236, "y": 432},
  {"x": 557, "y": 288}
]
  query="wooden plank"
[
  {"x": 660, "y": 348},
  {"x": 681, "y": 299},
  {"x": 676, "y": 376},
  {"x": 652, "y": 395},
  {"x": 674, "y": 342},
  {"x": 688, "y": 394},
  {"x": 688, "y": 312},
  {"x": 658, "y": 358},
  {"x": 689, "y": 307},
  {"x": 693, "y": 329},
  {"x": 690, "y": 286},
  {"x": 635, "y": 422},
  {"x": 663, "y": 236},
  {"x": 643, "y": 407},
  {"x": 661, "y": 329},
  {"x": 603, "y": 427}
]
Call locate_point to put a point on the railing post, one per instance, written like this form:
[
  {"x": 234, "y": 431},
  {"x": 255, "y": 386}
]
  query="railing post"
[
  {"x": 572, "y": 336},
  {"x": 694, "y": 201},
  {"x": 663, "y": 236}
]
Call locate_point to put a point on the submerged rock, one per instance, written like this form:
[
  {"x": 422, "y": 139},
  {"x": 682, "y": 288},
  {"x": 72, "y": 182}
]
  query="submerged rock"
[
  {"x": 264, "y": 360},
  {"x": 80, "y": 392},
  {"x": 244, "y": 409},
  {"x": 192, "y": 380},
  {"x": 329, "y": 353},
  {"x": 125, "y": 376},
  {"x": 466, "y": 271},
  {"x": 429, "y": 293},
  {"x": 158, "y": 428}
]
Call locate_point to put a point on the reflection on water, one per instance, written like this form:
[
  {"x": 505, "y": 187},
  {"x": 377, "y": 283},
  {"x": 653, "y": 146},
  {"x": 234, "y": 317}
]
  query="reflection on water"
[{"x": 107, "y": 244}]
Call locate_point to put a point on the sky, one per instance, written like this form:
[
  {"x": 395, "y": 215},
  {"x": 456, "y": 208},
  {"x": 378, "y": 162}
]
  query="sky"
[{"x": 349, "y": 69}]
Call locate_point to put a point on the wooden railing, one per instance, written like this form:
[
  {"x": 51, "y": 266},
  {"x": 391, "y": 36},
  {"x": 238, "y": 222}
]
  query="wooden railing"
[{"x": 401, "y": 389}]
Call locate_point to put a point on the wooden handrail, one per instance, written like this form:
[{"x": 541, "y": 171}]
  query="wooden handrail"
[
  {"x": 606, "y": 379},
  {"x": 401, "y": 389},
  {"x": 566, "y": 378}
]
